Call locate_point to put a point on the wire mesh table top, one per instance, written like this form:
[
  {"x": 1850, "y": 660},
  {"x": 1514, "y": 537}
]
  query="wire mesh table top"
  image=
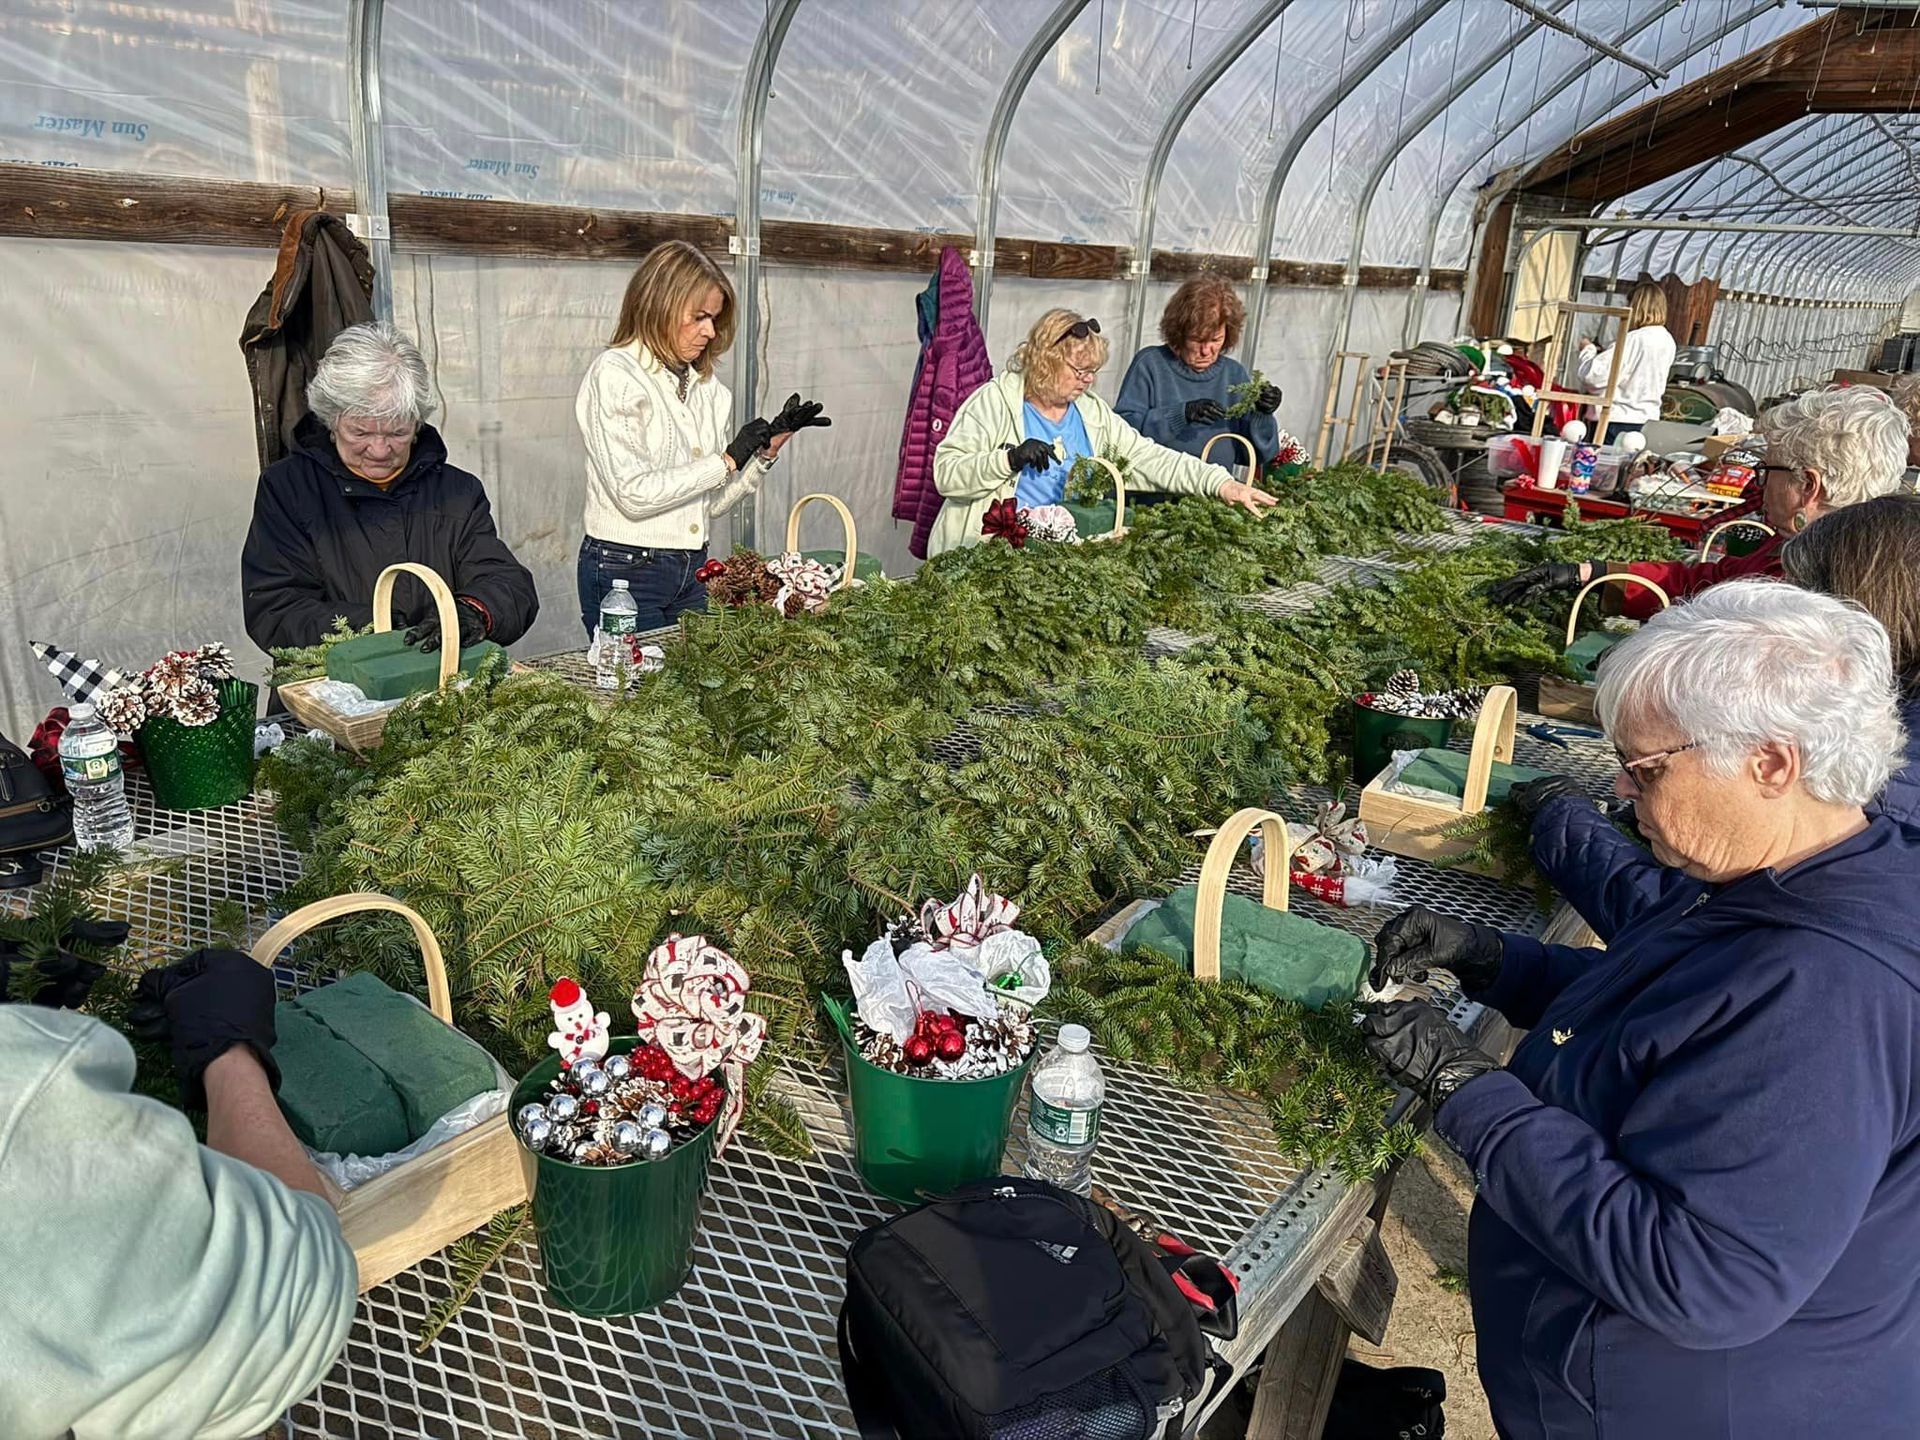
[{"x": 746, "y": 1349}]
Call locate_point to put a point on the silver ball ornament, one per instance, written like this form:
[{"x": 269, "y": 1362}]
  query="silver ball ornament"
[
  {"x": 617, "y": 1067},
  {"x": 593, "y": 1082},
  {"x": 652, "y": 1116},
  {"x": 536, "y": 1131},
  {"x": 658, "y": 1142},
  {"x": 530, "y": 1112},
  {"x": 629, "y": 1138},
  {"x": 562, "y": 1107}
]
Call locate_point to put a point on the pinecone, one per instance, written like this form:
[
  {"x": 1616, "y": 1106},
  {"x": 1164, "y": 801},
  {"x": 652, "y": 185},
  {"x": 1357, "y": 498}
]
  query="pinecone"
[{"x": 1403, "y": 684}]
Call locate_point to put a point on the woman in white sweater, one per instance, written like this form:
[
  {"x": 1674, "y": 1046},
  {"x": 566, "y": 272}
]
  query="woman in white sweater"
[
  {"x": 1646, "y": 359},
  {"x": 662, "y": 456}
]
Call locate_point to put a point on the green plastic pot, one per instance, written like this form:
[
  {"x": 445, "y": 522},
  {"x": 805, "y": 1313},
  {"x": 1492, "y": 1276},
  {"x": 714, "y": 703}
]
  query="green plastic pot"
[
  {"x": 1377, "y": 734},
  {"x": 912, "y": 1135},
  {"x": 614, "y": 1239},
  {"x": 197, "y": 767}
]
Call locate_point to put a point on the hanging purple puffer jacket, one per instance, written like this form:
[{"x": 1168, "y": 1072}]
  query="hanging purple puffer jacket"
[{"x": 953, "y": 364}]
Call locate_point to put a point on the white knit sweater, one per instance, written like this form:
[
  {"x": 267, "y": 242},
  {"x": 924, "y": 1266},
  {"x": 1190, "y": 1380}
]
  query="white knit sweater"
[{"x": 656, "y": 465}]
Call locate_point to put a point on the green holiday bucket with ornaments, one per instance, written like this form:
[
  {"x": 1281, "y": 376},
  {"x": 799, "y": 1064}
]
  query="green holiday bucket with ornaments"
[
  {"x": 194, "y": 722},
  {"x": 1378, "y": 733},
  {"x": 615, "y": 1215},
  {"x": 614, "y": 1239}
]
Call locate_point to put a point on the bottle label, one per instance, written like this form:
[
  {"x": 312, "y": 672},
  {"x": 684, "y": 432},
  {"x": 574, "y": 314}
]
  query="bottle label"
[
  {"x": 90, "y": 769},
  {"x": 1061, "y": 1126},
  {"x": 614, "y": 622}
]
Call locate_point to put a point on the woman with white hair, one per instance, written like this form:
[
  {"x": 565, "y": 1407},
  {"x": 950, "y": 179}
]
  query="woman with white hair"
[
  {"x": 366, "y": 485},
  {"x": 1016, "y": 437},
  {"x": 1699, "y": 1174},
  {"x": 1828, "y": 449}
]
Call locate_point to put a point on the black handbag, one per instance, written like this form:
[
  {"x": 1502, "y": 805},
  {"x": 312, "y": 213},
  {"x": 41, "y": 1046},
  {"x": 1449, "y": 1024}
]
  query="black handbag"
[
  {"x": 32, "y": 816},
  {"x": 1014, "y": 1310}
]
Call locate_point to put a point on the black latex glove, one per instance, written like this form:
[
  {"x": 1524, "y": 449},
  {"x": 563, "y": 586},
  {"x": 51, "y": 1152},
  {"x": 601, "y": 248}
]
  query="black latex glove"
[
  {"x": 1204, "y": 412},
  {"x": 63, "y": 980},
  {"x": 473, "y": 627},
  {"x": 1530, "y": 797},
  {"x": 1553, "y": 576},
  {"x": 754, "y": 437},
  {"x": 204, "y": 1004},
  {"x": 1419, "y": 1048},
  {"x": 1268, "y": 400},
  {"x": 1030, "y": 455},
  {"x": 798, "y": 414},
  {"x": 1418, "y": 940}
]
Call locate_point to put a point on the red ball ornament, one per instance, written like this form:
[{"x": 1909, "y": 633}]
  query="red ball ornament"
[
  {"x": 946, "y": 1024},
  {"x": 918, "y": 1050},
  {"x": 952, "y": 1045}
]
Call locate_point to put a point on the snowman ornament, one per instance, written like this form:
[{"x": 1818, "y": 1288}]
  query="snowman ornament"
[{"x": 579, "y": 1031}]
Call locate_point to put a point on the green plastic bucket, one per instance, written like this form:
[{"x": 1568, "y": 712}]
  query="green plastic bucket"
[
  {"x": 912, "y": 1135},
  {"x": 196, "y": 767},
  {"x": 614, "y": 1239},
  {"x": 1377, "y": 734}
]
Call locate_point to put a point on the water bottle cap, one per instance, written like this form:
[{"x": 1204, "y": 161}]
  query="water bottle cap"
[
  {"x": 1074, "y": 1039},
  {"x": 620, "y": 585},
  {"x": 80, "y": 712}
]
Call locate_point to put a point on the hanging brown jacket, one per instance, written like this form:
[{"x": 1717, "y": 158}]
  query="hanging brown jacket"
[{"x": 322, "y": 283}]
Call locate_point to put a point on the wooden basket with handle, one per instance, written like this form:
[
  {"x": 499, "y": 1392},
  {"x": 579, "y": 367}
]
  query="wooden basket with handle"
[
  {"x": 1564, "y": 699},
  {"x": 395, "y": 1220},
  {"x": 852, "y": 535},
  {"x": 1411, "y": 824},
  {"x": 361, "y": 733},
  {"x": 1119, "y": 499},
  {"x": 1748, "y": 521},
  {"x": 1253, "y": 456}
]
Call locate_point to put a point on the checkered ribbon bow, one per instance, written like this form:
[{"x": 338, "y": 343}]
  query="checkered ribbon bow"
[{"x": 83, "y": 680}]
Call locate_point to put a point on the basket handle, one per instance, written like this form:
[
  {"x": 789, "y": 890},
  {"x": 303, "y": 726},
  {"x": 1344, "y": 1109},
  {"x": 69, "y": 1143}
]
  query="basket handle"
[
  {"x": 309, "y": 917},
  {"x": 442, "y": 601},
  {"x": 1706, "y": 545},
  {"x": 846, "y": 524},
  {"x": 1119, "y": 498},
  {"x": 1622, "y": 577},
  {"x": 1276, "y": 854},
  {"x": 1253, "y": 456},
  {"x": 1492, "y": 741}
]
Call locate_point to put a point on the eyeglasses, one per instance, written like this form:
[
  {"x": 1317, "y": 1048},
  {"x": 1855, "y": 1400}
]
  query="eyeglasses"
[
  {"x": 1085, "y": 377},
  {"x": 1653, "y": 765},
  {"x": 1761, "y": 472},
  {"x": 1079, "y": 330}
]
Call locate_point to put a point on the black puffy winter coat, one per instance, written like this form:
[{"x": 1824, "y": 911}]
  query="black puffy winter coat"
[{"x": 321, "y": 536}]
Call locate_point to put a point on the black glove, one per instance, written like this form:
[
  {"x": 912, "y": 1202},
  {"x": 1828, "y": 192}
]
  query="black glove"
[
  {"x": 1419, "y": 1048},
  {"x": 1030, "y": 455},
  {"x": 473, "y": 626},
  {"x": 1268, "y": 400},
  {"x": 754, "y": 437},
  {"x": 1418, "y": 940},
  {"x": 1204, "y": 412},
  {"x": 798, "y": 414},
  {"x": 204, "y": 1004},
  {"x": 1530, "y": 797},
  {"x": 62, "y": 980},
  {"x": 1540, "y": 577}
]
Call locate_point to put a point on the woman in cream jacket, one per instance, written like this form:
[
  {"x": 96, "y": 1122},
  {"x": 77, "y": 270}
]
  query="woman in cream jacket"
[
  {"x": 1008, "y": 439},
  {"x": 662, "y": 456}
]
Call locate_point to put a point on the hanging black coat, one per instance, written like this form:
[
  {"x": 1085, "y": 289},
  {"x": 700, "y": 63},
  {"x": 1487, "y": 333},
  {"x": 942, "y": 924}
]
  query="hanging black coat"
[{"x": 321, "y": 536}]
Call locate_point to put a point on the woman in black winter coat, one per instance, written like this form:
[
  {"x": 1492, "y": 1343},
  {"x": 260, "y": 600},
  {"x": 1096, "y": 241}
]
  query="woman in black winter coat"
[{"x": 366, "y": 486}]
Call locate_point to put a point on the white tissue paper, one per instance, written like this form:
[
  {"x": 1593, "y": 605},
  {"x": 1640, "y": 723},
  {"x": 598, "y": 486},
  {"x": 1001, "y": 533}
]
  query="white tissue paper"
[
  {"x": 880, "y": 991},
  {"x": 1015, "y": 955}
]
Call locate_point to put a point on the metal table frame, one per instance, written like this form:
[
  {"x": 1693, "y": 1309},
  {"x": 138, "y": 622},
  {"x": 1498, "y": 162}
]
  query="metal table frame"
[{"x": 746, "y": 1349}]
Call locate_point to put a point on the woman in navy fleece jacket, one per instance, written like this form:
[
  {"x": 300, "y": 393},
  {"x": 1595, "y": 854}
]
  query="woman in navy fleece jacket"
[{"x": 1699, "y": 1175}]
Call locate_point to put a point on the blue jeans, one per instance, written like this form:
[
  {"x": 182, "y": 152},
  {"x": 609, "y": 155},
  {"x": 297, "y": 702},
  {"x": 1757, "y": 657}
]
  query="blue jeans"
[{"x": 661, "y": 581}]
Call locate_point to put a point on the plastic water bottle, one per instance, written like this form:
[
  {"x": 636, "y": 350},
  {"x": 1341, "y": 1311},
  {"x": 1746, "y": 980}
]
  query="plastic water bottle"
[
  {"x": 619, "y": 617},
  {"x": 90, "y": 763},
  {"x": 1063, "y": 1113}
]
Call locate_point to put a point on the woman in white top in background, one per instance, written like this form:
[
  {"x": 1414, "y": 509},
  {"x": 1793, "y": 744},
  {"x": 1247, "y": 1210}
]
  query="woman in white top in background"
[
  {"x": 1646, "y": 358},
  {"x": 663, "y": 457}
]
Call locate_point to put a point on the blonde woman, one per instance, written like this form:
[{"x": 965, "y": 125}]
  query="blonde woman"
[
  {"x": 663, "y": 457},
  {"x": 1016, "y": 437},
  {"x": 1646, "y": 358}
]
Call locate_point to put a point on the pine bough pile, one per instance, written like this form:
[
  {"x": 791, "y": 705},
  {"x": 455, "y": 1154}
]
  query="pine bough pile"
[{"x": 777, "y": 784}]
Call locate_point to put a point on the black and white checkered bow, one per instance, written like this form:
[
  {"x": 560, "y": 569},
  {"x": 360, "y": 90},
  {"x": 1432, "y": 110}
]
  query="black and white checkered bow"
[{"x": 83, "y": 680}]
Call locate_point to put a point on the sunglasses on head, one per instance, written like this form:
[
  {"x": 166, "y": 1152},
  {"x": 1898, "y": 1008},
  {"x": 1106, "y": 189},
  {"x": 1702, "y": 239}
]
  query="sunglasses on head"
[{"x": 1079, "y": 330}]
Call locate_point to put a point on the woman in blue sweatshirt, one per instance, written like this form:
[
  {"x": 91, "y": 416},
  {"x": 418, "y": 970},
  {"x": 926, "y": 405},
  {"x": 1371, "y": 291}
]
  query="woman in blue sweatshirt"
[
  {"x": 1699, "y": 1175},
  {"x": 1176, "y": 393}
]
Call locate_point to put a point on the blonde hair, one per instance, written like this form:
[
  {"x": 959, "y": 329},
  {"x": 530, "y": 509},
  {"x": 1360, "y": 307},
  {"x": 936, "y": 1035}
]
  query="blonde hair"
[
  {"x": 1646, "y": 305},
  {"x": 1044, "y": 358},
  {"x": 673, "y": 278}
]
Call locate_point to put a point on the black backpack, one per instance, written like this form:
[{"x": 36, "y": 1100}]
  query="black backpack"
[
  {"x": 32, "y": 816},
  {"x": 1013, "y": 1310}
]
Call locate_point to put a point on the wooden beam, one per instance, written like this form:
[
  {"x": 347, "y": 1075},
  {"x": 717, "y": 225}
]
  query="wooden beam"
[
  {"x": 1485, "y": 306},
  {"x": 54, "y": 203},
  {"x": 439, "y": 225}
]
